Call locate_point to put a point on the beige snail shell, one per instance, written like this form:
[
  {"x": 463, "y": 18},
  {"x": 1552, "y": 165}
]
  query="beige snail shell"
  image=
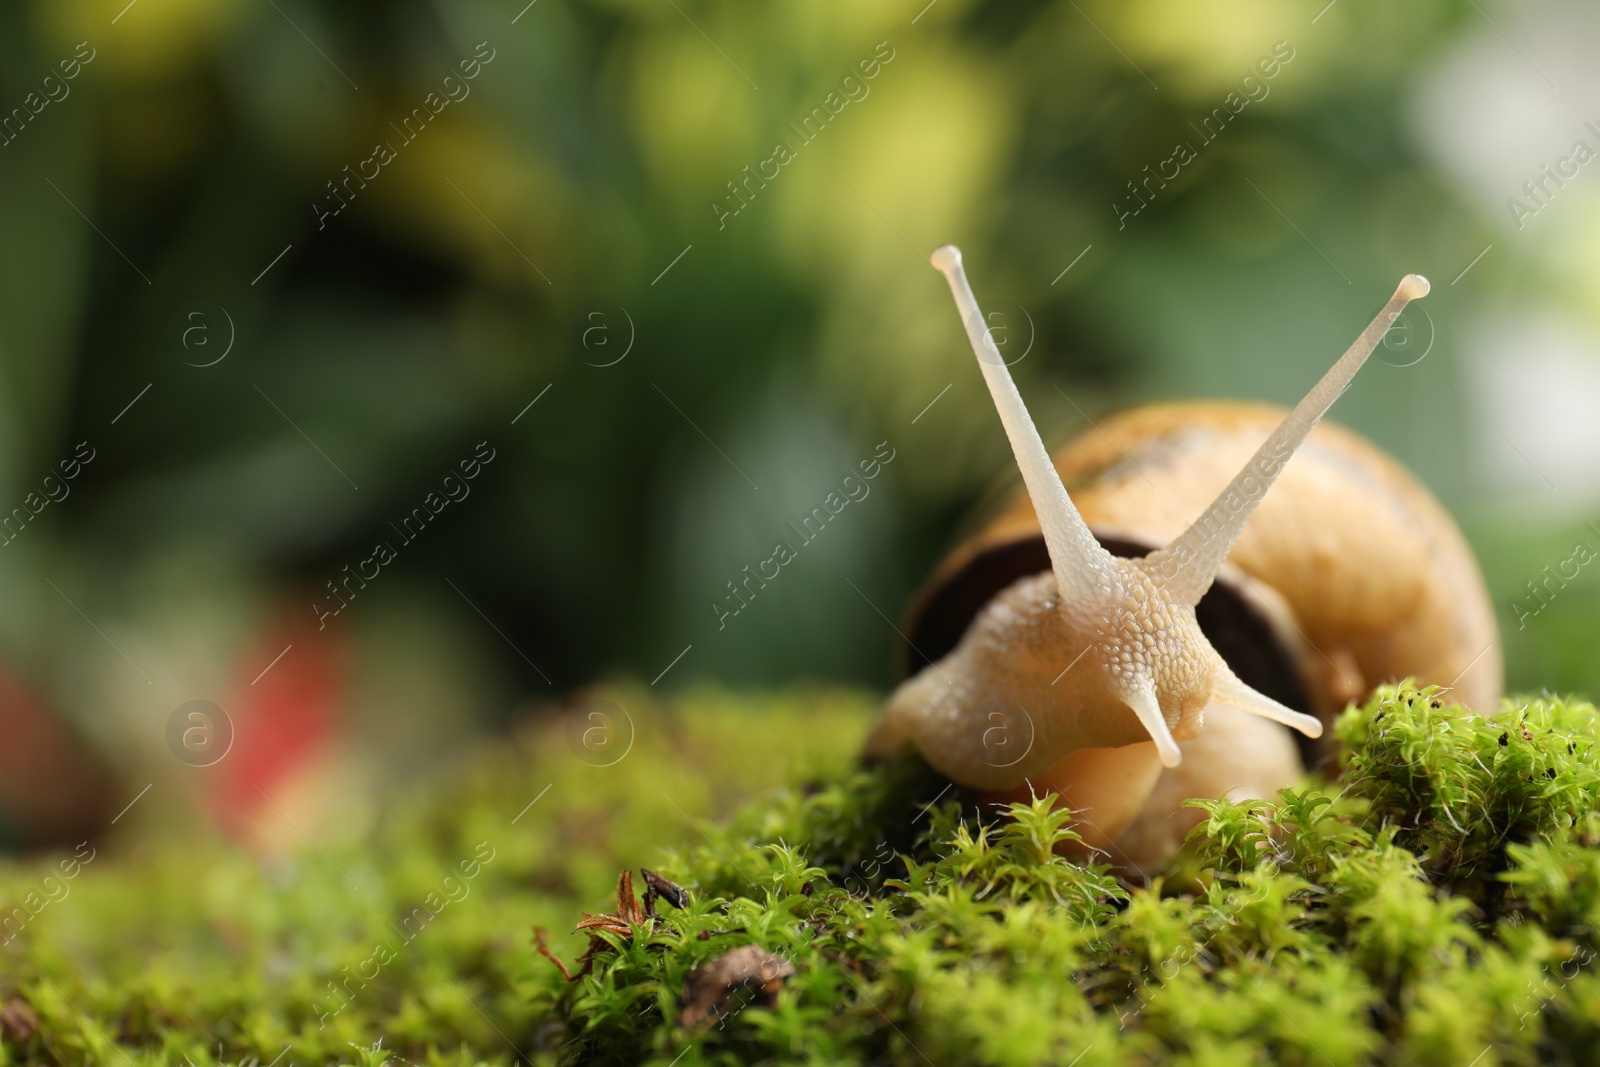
[{"x": 1140, "y": 625}]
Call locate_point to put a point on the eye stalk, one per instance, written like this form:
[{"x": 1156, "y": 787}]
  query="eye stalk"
[
  {"x": 1086, "y": 572},
  {"x": 1190, "y": 563},
  {"x": 1133, "y": 618}
]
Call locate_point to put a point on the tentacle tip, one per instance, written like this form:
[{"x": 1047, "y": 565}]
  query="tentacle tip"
[
  {"x": 1309, "y": 725},
  {"x": 1170, "y": 755},
  {"x": 1412, "y": 286},
  {"x": 947, "y": 258}
]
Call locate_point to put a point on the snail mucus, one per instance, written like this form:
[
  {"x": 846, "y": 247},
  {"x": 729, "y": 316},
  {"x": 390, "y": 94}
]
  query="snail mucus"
[{"x": 1145, "y": 623}]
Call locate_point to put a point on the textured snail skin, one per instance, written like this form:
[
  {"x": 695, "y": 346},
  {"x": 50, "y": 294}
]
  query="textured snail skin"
[
  {"x": 1238, "y": 756},
  {"x": 1107, "y": 788},
  {"x": 1007, "y": 673},
  {"x": 1130, "y": 810}
]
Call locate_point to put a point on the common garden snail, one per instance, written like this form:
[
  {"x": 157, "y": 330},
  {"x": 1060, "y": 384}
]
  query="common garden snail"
[{"x": 1128, "y": 655}]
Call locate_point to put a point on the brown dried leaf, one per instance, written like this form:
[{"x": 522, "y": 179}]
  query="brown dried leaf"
[
  {"x": 628, "y": 909},
  {"x": 18, "y": 1020},
  {"x": 710, "y": 988}
]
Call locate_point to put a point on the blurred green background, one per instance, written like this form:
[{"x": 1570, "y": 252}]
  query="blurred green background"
[{"x": 561, "y": 208}]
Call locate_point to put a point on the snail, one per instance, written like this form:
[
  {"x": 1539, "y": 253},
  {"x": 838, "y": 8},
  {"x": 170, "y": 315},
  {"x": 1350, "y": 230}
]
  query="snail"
[{"x": 1125, "y": 635}]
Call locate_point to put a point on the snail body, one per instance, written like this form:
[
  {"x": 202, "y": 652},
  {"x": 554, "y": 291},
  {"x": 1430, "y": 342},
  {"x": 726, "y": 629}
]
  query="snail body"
[{"x": 1133, "y": 641}]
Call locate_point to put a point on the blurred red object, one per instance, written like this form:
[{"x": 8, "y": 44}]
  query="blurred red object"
[
  {"x": 53, "y": 790},
  {"x": 286, "y": 723}
]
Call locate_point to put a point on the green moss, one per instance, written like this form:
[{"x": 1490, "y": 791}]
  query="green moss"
[{"x": 1435, "y": 904}]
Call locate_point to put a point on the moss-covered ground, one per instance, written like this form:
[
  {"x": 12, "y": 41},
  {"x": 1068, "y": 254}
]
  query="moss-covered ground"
[{"x": 1436, "y": 904}]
